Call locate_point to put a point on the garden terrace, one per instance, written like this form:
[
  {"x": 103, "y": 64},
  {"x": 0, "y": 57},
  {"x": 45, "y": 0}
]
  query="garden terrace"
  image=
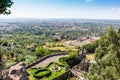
[
  {"x": 47, "y": 74},
  {"x": 42, "y": 62}
]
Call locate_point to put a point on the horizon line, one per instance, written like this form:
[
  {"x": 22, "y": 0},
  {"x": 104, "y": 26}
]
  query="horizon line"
[{"x": 60, "y": 18}]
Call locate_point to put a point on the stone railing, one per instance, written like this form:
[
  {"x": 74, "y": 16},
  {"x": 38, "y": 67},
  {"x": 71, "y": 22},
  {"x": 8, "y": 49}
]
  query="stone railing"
[{"x": 43, "y": 58}]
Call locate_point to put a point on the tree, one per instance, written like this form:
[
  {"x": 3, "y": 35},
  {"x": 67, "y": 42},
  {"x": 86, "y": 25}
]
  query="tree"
[
  {"x": 4, "y": 5},
  {"x": 119, "y": 31},
  {"x": 72, "y": 60},
  {"x": 107, "y": 56},
  {"x": 40, "y": 52},
  {"x": 90, "y": 48}
]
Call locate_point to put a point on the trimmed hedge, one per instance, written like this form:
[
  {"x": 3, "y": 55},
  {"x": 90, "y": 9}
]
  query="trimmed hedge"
[
  {"x": 33, "y": 70},
  {"x": 61, "y": 65},
  {"x": 63, "y": 76},
  {"x": 63, "y": 61},
  {"x": 45, "y": 73},
  {"x": 70, "y": 61},
  {"x": 41, "y": 73},
  {"x": 49, "y": 64}
]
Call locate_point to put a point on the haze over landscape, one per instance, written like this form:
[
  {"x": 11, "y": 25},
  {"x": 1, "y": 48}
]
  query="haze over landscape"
[{"x": 60, "y": 40}]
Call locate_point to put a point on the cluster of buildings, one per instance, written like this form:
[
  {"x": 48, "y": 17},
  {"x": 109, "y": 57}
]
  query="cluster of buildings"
[
  {"x": 81, "y": 41},
  {"x": 59, "y": 36},
  {"x": 88, "y": 38},
  {"x": 31, "y": 46}
]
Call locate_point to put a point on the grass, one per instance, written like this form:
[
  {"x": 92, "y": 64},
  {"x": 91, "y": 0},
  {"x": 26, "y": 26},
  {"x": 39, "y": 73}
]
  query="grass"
[
  {"x": 9, "y": 63},
  {"x": 58, "y": 48},
  {"x": 31, "y": 77}
]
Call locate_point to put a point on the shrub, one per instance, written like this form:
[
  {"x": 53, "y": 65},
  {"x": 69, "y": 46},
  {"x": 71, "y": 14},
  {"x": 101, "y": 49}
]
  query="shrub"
[
  {"x": 41, "y": 73},
  {"x": 91, "y": 47},
  {"x": 32, "y": 70},
  {"x": 71, "y": 60}
]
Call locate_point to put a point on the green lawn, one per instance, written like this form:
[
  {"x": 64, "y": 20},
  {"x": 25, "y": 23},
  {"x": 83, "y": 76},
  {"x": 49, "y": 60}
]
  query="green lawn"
[{"x": 58, "y": 46}]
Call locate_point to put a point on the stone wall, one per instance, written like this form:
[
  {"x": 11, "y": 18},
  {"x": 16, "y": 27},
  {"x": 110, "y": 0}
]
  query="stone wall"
[{"x": 43, "y": 58}]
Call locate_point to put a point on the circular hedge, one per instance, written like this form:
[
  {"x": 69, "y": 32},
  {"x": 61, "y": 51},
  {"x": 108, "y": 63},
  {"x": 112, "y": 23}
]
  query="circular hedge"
[{"x": 41, "y": 73}]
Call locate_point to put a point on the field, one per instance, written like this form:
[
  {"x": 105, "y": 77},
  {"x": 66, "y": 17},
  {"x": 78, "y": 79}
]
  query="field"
[{"x": 58, "y": 46}]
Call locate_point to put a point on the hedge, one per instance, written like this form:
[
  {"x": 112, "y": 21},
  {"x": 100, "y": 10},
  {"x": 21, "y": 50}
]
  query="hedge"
[{"x": 41, "y": 73}]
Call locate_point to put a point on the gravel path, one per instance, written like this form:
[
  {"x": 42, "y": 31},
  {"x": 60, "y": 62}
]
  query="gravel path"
[{"x": 49, "y": 60}]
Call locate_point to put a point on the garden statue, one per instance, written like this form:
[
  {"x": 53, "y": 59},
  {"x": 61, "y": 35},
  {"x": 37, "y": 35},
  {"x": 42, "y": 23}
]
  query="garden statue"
[{"x": 55, "y": 68}]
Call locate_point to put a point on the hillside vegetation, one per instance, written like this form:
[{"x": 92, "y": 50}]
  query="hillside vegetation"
[{"x": 107, "y": 56}]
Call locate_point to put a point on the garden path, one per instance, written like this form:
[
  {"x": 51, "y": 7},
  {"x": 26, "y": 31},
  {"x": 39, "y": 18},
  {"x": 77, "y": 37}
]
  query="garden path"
[{"x": 49, "y": 60}]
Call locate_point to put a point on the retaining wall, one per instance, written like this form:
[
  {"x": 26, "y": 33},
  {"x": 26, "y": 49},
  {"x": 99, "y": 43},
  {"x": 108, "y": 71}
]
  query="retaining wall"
[{"x": 43, "y": 58}]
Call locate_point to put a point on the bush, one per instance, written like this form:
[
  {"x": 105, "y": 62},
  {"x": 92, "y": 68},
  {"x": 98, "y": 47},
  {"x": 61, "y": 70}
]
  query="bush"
[
  {"x": 40, "y": 52},
  {"x": 71, "y": 60},
  {"x": 46, "y": 74},
  {"x": 107, "y": 58},
  {"x": 91, "y": 47},
  {"x": 63, "y": 76},
  {"x": 41, "y": 73}
]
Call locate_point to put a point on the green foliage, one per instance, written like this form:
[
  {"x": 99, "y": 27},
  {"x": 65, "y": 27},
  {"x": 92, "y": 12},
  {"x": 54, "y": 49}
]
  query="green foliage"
[
  {"x": 42, "y": 73},
  {"x": 107, "y": 56},
  {"x": 4, "y": 5},
  {"x": 119, "y": 31},
  {"x": 90, "y": 48},
  {"x": 100, "y": 52},
  {"x": 32, "y": 70},
  {"x": 103, "y": 41},
  {"x": 40, "y": 52},
  {"x": 29, "y": 59},
  {"x": 63, "y": 61},
  {"x": 4, "y": 43},
  {"x": 46, "y": 74},
  {"x": 54, "y": 39},
  {"x": 7, "y": 64},
  {"x": 96, "y": 77},
  {"x": 71, "y": 60}
]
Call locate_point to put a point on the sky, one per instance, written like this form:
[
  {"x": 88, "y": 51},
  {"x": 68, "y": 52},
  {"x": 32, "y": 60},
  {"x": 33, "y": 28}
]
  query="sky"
[{"x": 82, "y": 9}]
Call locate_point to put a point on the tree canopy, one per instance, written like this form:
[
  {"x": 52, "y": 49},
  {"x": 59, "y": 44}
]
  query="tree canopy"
[
  {"x": 107, "y": 56},
  {"x": 4, "y": 6}
]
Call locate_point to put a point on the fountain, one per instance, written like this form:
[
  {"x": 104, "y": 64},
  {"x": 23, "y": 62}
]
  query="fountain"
[{"x": 55, "y": 68}]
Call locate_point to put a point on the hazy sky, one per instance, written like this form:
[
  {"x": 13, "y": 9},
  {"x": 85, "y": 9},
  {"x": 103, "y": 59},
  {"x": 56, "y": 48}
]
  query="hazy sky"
[{"x": 90, "y": 9}]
